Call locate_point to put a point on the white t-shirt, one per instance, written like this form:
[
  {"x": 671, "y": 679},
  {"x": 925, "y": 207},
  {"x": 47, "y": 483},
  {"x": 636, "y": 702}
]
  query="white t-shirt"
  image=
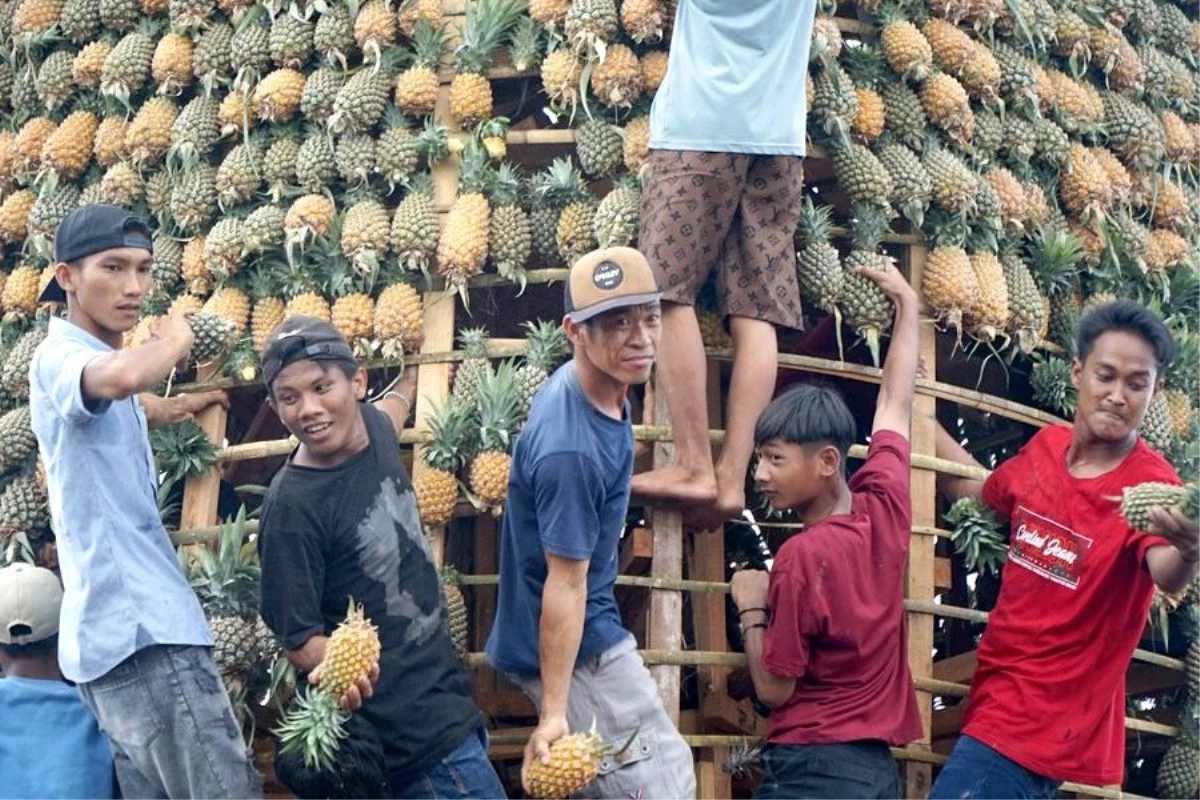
[{"x": 735, "y": 82}]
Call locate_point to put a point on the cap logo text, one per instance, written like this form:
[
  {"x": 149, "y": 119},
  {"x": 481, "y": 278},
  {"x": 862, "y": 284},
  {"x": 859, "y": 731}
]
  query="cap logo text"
[{"x": 608, "y": 275}]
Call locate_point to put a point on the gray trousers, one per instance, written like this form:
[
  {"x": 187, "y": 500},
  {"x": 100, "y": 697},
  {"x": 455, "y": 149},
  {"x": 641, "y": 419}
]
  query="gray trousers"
[
  {"x": 615, "y": 689},
  {"x": 173, "y": 734}
]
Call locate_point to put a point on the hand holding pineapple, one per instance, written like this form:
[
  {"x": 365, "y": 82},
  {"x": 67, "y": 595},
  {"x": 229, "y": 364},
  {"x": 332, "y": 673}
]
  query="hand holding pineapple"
[
  {"x": 549, "y": 730},
  {"x": 890, "y": 281},
  {"x": 361, "y": 690}
]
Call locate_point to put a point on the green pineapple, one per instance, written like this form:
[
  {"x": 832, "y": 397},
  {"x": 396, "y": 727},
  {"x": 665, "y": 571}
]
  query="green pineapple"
[
  {"x": 127, "y": 67},
  {"x": 471, "y": 369},
  {"x": 24, "y": 507},
  {"x": 911, "y": 188},
  {"x": 320, "y": 90},
  {"x": 211, "y": 63},
  {"x": 194, "y": 198},
  {"x": 290, "y": 41},
  {"x": 456, "y": 611},
  {"x": 316, "y": 164},
  {"x": 119, "y": 15},
  {"x": 223, "y": 248},
  {"x": 360, "y": 103},
  {"x": 396, "y": 150},
  {"x": 214, "y": 337},
  {"x": 313, "y": 725},
  {"x": 1054, "y": 257},
  {"x": 1133, "y": 131},
  {"x": 599, "y": 146},
  {"x": 819, "y": 268},
  {"x": 546, "y": 343},
  {"x": 250, "y": 49},
  {"x": 953, "y": 182},
  {"x": 1179, "y": 771},
  {"x": 864, "y": 305},
  {"x": 55, "y": 85},
  {"x": 239, "y": 175},
  {"x": 354, "y": 156},
  {"x": 1026, "y": 310},
  {"x": 552, "y": 190},
  {"x": 79, "y": 20},
  {"x": 1156, "y": 427},
  {"x": 618, "y": 215},
  {"x": 525, "y": 44},
  {"x": 1020, "y": 140},
  {"x": 165, "y": 275},
  {"x": 333, "y": 35},
  {"x": 834, "y": 103},
  {"x": 17, "y": 440},
  {"x": 1052, "y": 387},
  {"x": 54, "y": 202},
  {"x": 194, "y": 133},
  {"x": 977, "y": 536},
  {"x": 1137, "y": 501},
  {"x": 905, "y": 115},
  {"x": 591, "y": 24},
  {"x": 279, "y": 166},
  {"x": 414, "y": 232},
  {"x": 509, "y": 236},
  {"x": 263, "y": 229}
]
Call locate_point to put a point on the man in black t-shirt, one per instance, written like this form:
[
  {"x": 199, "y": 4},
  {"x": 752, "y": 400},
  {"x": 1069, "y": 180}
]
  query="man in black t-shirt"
[{"x": 341, "y": 521}]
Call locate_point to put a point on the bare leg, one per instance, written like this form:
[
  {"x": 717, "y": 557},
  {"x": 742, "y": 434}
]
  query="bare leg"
[
  {"x": 681, "y": 369},
  {"x": 750, "y": 390}
]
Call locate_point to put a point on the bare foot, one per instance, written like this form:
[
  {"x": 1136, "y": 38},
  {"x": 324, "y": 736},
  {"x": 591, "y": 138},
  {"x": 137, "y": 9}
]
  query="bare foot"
[{"x": 676, "y": 484}]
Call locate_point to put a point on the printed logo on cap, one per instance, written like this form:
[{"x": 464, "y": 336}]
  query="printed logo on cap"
[{"x": 608, "y": 275}]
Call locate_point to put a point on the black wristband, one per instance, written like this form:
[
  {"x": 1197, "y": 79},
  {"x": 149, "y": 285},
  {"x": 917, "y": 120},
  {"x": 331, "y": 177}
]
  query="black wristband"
[
  {"x": 763, "y": 609},
  {"x": 746, "y": 628}
]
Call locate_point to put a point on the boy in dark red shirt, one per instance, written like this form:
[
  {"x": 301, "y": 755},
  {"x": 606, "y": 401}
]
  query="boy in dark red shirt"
[
  {"x": 1047, "y": 701},
  {"x": 825, "y": 633}
]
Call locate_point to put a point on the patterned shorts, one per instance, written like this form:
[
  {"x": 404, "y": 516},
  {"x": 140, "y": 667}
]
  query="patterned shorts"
[{"x": 735, "y": 212}]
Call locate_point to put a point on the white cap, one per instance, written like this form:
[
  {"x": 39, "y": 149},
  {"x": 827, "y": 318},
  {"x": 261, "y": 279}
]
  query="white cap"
[{"x": 30, "y": 599}]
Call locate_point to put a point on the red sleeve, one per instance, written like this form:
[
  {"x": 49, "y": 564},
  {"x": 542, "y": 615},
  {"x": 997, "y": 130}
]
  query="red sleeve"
[
  {"x": 998, "y": 490},
  {"x": 886, "y": 475},
  {"x": 785, "y": 646}
]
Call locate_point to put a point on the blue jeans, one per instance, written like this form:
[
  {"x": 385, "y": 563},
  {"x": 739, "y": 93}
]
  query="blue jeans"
[
  {"x": 977, "y": 771},
  {"x": 172, "y": 731},
  {"x": 465, "y": 773},
  {"x": 851, "y": 770}
]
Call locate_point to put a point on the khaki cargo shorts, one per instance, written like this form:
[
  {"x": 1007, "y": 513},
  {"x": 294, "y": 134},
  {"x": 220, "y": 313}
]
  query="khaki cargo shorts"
[
  {"x": 733, "y": 212},
  {"x": 615, "y": 690}
]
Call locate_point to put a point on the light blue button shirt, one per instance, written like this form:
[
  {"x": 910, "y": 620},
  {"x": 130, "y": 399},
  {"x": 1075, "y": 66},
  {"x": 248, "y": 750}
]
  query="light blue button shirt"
[
  {"x": 123, "y": 588},
  {"x": 735, "y": 81}
]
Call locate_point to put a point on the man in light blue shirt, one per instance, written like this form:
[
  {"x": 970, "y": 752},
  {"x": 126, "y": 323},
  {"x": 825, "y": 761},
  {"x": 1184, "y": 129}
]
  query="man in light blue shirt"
[
  {"x": 132, "y": 634},
  {"x": 727, "y": 139},
  {"x": 50, "y": 745}
]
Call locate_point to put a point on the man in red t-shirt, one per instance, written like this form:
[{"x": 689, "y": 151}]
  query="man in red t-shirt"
[
  {"x": 825, "y": 633},
  {"x": 1047, "y": 701}
]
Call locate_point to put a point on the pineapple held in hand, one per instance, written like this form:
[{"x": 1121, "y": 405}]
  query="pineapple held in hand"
[
  {"x": 314, "y": 725},
  {"x": 574, "y": 763},
  {"x": 350, "y": 652},
  {"x": 214, "y": 337},
  {"x": 1136, "y": 502}
]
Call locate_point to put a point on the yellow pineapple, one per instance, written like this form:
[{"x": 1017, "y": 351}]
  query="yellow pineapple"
[
  {"x": 353, "y": 314},
  {"x": 987, "y": 316},
  {"x": 148, "y": 136},
  {"x": 308, "y": 217},
  {"x": 1181, "y": 147},
  {"x": 1179, "y": 404},
  {"x": 172, "y": 64},
  {"x": 869, "y": 119},
  {"x": 185, "y": 304},
  {"x": 1014, "y": 208},
  {"x": 194, "y": 268},
  {"x": 636, "y": 149},
  {"x": 463, "y": 244},
  {"x": 276, "y": 98},
  {"x": 375, "y": 29},
  {"x": 617, "y": 80},
  {"x": 1083, "y": 185},
  {"x": 653, "y": 65},
  {"x": 68, "y": 150},
  {"x": 948, "y": 107},
  {"x": 434, "y": 482},
  {"x": 28, "y": 144},
  {"x": 267, "y": 311},
  {"x": 905, "y": 47},
  {"x": 561, "y": 72},
  {"x": 497, "y": 409},
  {"x": 21, "y": 292},
  {"x": 109, "y": 142},
  {"x": 232, "y": 304},
  {"x": 550, "y": 14},
  {"x": 414, "y": 12},
  {"x": 574, "y": 764},
  {"x": 8, "y": 157},
  {"x": 89, "y": 63},
  {"x": 949, "y": 285},
  {"x": 398, "y": 316},
  {"x": 351, "y": 651},
  {"x": 643, "y": 20},
  {"x": 233, "y": 115},
  {"x": 1119, "y": 181},
  {"x": 487, "y": 23},
  {"x": 14, "y": 216},
  {"x": 1165, "y": 249},
  {"x": 417, "y": 86}
]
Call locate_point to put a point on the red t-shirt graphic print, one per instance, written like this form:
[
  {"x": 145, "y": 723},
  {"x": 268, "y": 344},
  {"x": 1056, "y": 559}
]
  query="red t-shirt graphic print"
[
  {"x": 1052, "y": 550},
  {"x": 1049, "y": 687}
]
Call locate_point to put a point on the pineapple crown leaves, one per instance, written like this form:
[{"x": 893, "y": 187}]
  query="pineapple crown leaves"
[
  {"x": 816, "y": 223},
  {"x": 497, "y": 407},
  {"x": 546, "y": 344},
  {"x": 525, "y": 43},
  {"x": 429, "y": 44},
  {"x": 473, "y": 342},
  {"x": 487, "y": 25},
  {"x": 496, "y": 127},
  {"x": 978, "y": 535},
  {"x": 226, "y": 580},
  {"x": 420, "y": 183},
  {"x": 559, "y": 184},
  {"x": 1052, "y": 387},
  {"x": 433, "y": 141},
  {"x": 314, "y": 725},
  {"x": 182, "y": 451},
  {"x": 1054, "y": 256},
  {"x": 865, "y": 65},
  {"x": 476, "y": 174},
  {"x": 868, "y": 227},
  {"x": 449, "y": 435},
  {"x": 505, "y": 185}
]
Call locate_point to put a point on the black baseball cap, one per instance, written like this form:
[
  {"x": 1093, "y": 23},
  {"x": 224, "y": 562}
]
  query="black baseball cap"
[
  {"x": 303, "y": 339},
  {"x": 92, "y": 229},
  {"x": 609, "y": 278}
]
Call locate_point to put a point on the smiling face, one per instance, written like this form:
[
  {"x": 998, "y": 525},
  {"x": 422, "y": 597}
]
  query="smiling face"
[
  {"x": 105, "y": 290},
  {"x": 1116, "y": 382},
  {"x": 621, "y": 343},
  {"x": 791, "y": 476},
  {"x": 318, "y": 403}
]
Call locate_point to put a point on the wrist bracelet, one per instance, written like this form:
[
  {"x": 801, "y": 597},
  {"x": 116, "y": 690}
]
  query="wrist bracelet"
[
  {"x": 763, "y": 609},
  {"x": 747, "y": 628}
]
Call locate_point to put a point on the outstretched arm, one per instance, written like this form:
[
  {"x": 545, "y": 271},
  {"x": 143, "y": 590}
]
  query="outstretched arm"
[
  {"x": 893, "y": 410},
  {"x": 124, "y": 373},
  {"x": 164, "y": 411}
]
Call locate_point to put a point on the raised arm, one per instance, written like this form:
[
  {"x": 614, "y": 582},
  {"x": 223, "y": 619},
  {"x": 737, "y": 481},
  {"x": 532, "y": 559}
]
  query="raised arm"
[
  {"x": 893, "y": 410},
  {"x": 397, "y": 402},
  {"x": 124, "y": 373}
]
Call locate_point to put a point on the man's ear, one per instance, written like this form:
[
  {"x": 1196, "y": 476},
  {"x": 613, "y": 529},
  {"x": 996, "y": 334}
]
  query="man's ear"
[
  {"x": 64, "y": 274},
  {"x": 360, "y": 383},
  {"x": 573, "y": 330},
  {"x": 1076, "y": 372},
  {"x": 831, "y": 461}
]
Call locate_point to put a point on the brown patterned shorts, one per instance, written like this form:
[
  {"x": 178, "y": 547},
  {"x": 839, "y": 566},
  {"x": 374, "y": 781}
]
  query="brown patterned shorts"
[{"x": 732, "y": 211}]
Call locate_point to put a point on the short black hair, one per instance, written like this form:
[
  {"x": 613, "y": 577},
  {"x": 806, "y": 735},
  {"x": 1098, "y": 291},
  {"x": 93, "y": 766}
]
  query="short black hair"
[
  {"x": 359, "y": 769},
  {"x": 809, "y": 414},
  {"x": 46, "y": 647},
  {"x": 1130, "y": 317}
]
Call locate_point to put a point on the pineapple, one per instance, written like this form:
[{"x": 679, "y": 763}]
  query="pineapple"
[
  {"x": 575, "y": 233},
  {"x": 34, "y": 21},
  {"x": 250, "y": 49},
  {"x": 981, "y": 75},
  {"x": 166, "y": 269},
  {"x": 947, "y": 106},
  {"x": 550, "y": 14},
  {"x": 148, "y": 135},
  {"x": 185, "y": 304},
  {"x": 310, "y": 216},
  {"x": 195, "y": 132},
  {"x": 14, "y": 216},
  {"x": 819, "y": 268},
  {"x": 28, "y": 145},
  {"x": 618, "y": 215},
  {"x": 352, "y": 650},
  {"x": 214, "y": 337},
  {"x": 333, "y": 36},
  {"x": 834, "y": 102},
  {"x": 653, "y": 66},
  {"x": 375, "y": 28},
  {"x": 617, "y": 80},
  {"x": 435, "y": 486},
  {"x": 20, "y": 293},
  {"x": 827, "y": 41},
  {"x": 239, "y": 175},
  {"x": 417, "y": 86},
  {"x": 364, "y": 240},
  {"x": 414, "y": 12},
  {"x": 1027, "y": 314},
  {"x": 279, "y": 166},
  {"x": 194, "y": 198},
  {"x": 398, "y": 319},
  {"x": 590, "y": 25},
  {"x": 950, "y": 285},
  {"x": 1013, "y": 206},
  {"x": 598, "y": 146},
  {"x": 263, "y": 229},
  {"x": 644, "y": 20},
  {"x": 862, "y": 176},
  {"x": 509, "y": 238},
  {"x": 1133, "y": 132},
  {"x": 267, "y": 312},
  {"x": 1156, "y": 427},
  {"x": 68, "y": 150},
  {"x": 456, "y": 611},
  {"x": 1052, "y": 387},
  {"x": 17, "y": 440},
  {"x": 320, "y": 89},
  {"x": 80, "y": 20},
  {"x": 359, "y": 104},
  {"x": 988, "y": 313},
  {"x": 24, "y": 507},
  {"x": 211, "y": 63},
  {"x": 463, "y": 245},
  {"x": 414, "y": 234},
  {"x": 290, "y": 41},
  {"x": 354, "y": 157},
  {"x": 497, "y": 410},
  {"x": 122, "y": 185},
  {"x": 316, "y": 164},
  {"x": 546, "y": 343},
  {"x": 487, "y": 23},
  {"x": 864, "y": 305},
  {"x": 233, "y": 115},
  {"x": 1165, "y": 249},
  {"x": 1084, "y": 186},
  {"x": 158, "y": 195},
  {"x": 1137, "y": 501},
  {"x": 230, "y": 304},
  {"x": 276, "y": 98},
  {"x": 314, "y": 725},
  {"x": 1179, "y": 404},
  {"x": 574, "y": 764},
  {"x": 88, "y": 65},
  {"x": 194, "y": 269},
  {"x": 53, "y": 204},
  {"x": 54, "y": 87},
  {"x": 1178, "y": 775},
  {"x": 906, "y": 48},
  {"x": 353, "y": 314},
  {"x": 1020, "y": 141},
  {"x": 1051, "y": 143},
  {"x": 954, "y": 185},
  {"x": 189, "y": 15},
  {"x": 561, "y": 72},
  {"x": 171, "y": 66},
  {"x": 14, "y": 376},
  {"x": 396, "y": 150},
  {"x": 223, "y": 249},
  {"x": 470, "y": 372},
  {"x": 127, "y": 67}
]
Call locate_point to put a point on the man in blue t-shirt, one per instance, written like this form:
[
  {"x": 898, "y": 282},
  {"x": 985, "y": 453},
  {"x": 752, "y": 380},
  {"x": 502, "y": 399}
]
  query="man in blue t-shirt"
[
  {"x": 50, "y": 744},
  {"x": 558, "y": 632}
]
